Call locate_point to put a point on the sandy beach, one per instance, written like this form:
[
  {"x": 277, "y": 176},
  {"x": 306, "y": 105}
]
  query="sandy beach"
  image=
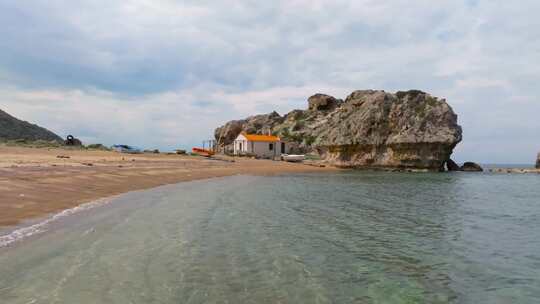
[{"x": 37, "y": 182}]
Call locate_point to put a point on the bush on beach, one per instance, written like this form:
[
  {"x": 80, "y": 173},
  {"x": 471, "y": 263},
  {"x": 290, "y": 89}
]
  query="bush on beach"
[{"x": 50, "y": 144}]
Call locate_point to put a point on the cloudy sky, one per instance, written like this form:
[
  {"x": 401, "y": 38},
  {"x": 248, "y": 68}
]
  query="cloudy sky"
[{"x": 164, "y": 73}]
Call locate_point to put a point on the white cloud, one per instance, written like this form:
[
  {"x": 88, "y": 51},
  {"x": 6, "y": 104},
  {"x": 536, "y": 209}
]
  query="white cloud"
[
  {"x": 482, "y": 83},
  {"x": 281, "y": 99}
]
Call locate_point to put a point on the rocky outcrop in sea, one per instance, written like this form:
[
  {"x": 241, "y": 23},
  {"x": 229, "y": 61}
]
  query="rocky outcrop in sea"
[
  {"x": 471, "y": 167},
  {"x": 452, "y": 165},
  {"x": 466, "y": 167},
  {"x": 538, "y": 161},
  {"x": 369, "y": 129}
]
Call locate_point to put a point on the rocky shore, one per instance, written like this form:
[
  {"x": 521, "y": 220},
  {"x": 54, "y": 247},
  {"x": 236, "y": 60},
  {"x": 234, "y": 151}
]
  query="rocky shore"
[
  {"x": 514, "y": 170},
  {"x": 369, "y": 129}
]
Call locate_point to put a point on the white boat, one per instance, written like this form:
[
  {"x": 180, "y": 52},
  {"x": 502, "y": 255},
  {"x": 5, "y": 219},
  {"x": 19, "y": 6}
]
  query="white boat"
[{"x": 293, "y": 157}]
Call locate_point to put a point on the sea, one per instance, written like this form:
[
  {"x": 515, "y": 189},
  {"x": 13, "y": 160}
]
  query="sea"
[{"x": 345, "y": 237}]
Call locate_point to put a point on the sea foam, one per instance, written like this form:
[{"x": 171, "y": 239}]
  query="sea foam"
[{"x": 24, "y": 232}]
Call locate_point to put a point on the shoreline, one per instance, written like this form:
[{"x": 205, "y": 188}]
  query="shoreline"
[
  {"x": 40, "y": 182},
  {"x": 10, "y": 236}
]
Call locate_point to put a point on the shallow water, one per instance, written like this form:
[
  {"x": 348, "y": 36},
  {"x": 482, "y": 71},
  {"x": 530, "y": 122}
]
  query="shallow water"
[{"x": 352, "y": 237}]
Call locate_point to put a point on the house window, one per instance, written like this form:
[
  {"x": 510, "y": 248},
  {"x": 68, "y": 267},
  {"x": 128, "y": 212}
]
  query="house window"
[{"x": 271, "y": 147}]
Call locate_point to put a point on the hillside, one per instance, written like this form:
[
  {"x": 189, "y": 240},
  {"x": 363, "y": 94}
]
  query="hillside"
[{"x": 12, "y": 128}]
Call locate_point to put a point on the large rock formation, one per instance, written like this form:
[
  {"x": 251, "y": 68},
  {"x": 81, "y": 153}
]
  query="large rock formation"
[
  {"x": 538, "y": 161},
  {"x": 12, "y": 128},
  {"x": 369, "y": 129}
]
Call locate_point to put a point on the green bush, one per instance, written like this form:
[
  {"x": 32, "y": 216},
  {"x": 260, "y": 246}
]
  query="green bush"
[
  {"x": 97, "y": 147},
  {"x": 32, "y": 143}
]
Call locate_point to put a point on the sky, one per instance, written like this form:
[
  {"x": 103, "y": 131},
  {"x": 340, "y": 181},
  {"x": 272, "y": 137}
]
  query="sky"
[{"x": 163, "y": 73}]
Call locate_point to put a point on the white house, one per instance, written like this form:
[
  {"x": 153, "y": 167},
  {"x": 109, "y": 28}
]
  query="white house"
[{"x": 264, "y": 146}]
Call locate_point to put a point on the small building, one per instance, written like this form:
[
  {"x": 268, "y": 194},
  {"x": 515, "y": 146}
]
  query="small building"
[{"x": 264, "y": 146}]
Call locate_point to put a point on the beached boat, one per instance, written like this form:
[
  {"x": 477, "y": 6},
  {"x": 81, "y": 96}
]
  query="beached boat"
[
  {"x": 293, "y": 157},
  {"x": 203, "y": 152}
]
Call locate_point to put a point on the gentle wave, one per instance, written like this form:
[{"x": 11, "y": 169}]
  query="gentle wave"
[{"x": 24, "y": 232}]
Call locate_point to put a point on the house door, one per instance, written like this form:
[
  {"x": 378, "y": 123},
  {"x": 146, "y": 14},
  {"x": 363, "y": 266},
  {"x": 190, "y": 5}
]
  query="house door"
[
  {"x": 282, "y": 148},
  {"x": 240, "y": 147}
]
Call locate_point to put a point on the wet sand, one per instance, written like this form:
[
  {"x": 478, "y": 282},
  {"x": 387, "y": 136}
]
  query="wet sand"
[{"x": 37, "y": 182}]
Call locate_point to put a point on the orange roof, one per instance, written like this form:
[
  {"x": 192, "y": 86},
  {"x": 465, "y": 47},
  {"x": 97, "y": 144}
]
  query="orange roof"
[{"x": 254, "y": 137}]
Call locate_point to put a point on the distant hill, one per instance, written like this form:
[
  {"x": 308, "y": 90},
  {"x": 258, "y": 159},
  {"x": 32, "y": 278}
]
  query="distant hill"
[{"x": 12, "y": 128}]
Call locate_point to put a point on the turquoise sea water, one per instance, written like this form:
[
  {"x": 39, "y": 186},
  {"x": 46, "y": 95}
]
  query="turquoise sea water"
[{"x": 351, "y": 237}]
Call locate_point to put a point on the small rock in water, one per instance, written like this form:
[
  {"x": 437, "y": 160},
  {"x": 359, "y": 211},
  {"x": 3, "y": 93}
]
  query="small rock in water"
[
  {"x": 452, "y": 166},
  {"x": 471, "y": 167}
]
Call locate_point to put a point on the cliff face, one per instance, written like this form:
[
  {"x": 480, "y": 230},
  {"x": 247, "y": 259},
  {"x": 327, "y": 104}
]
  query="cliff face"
[
  {"x": 369, "y": 129},
  {"x": 538, "y": 161},
  {"x": 12, "y": 128}
]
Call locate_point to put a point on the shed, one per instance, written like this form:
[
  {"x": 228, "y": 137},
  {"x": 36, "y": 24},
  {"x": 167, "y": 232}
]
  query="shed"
[{"x": 264, "y": 146}]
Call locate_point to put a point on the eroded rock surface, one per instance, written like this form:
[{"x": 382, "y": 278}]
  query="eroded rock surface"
[
  {"x": 322, "y": 102},
  {"x": 371, "y": 128}
]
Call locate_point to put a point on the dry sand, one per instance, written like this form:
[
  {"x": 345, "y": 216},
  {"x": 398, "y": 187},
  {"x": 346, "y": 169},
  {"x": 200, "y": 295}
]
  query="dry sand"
[{"x": 36, "y": 182}]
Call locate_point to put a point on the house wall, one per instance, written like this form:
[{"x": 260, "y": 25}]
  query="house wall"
[
  {"x": 260, "y": 148},
  {"x": 241, "y": 145}
]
